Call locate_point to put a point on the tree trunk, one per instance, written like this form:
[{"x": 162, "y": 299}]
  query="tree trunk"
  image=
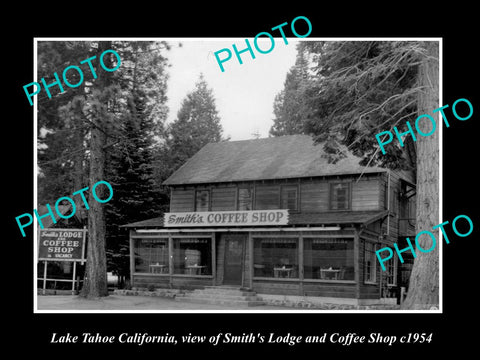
[
  {"x": 95, "y": 283},
  {"x": 96, "y": 272},
  {"x": 423, "y": 292},
  {"x": 79, "y": 138}
]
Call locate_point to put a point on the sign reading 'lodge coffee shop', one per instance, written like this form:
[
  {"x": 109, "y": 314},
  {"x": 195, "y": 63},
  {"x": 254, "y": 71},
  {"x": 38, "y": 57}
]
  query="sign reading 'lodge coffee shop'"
[
  {"x": 226, "y": 218},
  {"x": 61, "y": 244}
]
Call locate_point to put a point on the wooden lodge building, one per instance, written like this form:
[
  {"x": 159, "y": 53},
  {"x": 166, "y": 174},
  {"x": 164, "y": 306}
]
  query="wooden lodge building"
[{"x": 272, "y": 215}]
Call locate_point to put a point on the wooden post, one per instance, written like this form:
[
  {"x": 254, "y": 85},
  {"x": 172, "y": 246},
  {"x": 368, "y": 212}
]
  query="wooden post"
[
  {"x": 44, "y": 277},
  {"x": 243, "y": 263},
  {"x": 73, "y": 278},
  {"x": 356, "y": 261},
  {"x": 214, "y": 261},
  {"x": 170, "y": 259},
  {"x": 250, "y": 250},
  {"x": 132, "y": 257},
  {"x": 300, "y": 264}
]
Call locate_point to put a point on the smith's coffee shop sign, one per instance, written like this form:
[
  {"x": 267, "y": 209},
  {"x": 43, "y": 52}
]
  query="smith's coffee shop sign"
[{"x": 226, "y": 218}]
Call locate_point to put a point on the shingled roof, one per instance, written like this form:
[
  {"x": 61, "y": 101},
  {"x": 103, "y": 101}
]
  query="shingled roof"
[{"x": 283, "y": 157}]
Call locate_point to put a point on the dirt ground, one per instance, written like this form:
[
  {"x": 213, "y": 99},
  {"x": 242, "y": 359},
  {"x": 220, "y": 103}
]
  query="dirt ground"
[{"x": 119, "y": 302}]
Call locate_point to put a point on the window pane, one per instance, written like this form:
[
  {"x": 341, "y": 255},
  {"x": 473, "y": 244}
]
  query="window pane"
[
  {"x": 277, "y": 258},
  {"x": 370, "y": 265},
  {"x": 339, "y": 196},
  {"x": 390, "y": 272},
  {"x": 328, "y": 259},
  {"x": 151, "y": 256},
  {"x": 192, "y": 256},
  {"x": 245, "y": 199},
  {"x": 267, "y": 197},
  {"x": 202, "y": 200},
  {"x": 289, "y": 197}
]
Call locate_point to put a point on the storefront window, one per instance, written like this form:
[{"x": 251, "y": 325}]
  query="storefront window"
[
  {"x": 370, "y": 263},
  {"x": 192, "y": 256},
  {"x": 328, "y": 259},
  {"x": 276, "y": 258},
  {"x": 151, "y": 256}
]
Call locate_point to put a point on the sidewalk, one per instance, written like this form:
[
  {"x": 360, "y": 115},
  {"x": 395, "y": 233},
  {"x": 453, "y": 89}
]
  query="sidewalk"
[{"x": 119, "y": 302}]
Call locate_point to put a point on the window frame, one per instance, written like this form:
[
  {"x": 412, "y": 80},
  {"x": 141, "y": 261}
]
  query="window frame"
[
  {"x": 140, "y": 238},
  {"x": 392, "y": 264},
  {"x": 209, "y": 201},
  {"x": 297, "y": 197},
  {"x": 251, "y": 188},
  {"x": 374, "y": 270},
  {"x": 256, "y": 197},
  {"x": 272, "y": 278},
  {"x": 349, "y": 238},
  {"x": 349, "y": 195},
  {"x": 170, "y": 246},
  {"x": 211, "y": 244}
]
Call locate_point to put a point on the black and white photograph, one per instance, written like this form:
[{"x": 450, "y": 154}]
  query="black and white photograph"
[
  {"x": 273, "y": 184},
  {"x": 288, "y": 205}
]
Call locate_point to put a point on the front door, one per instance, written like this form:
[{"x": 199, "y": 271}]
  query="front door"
[{"x": 234, "y": 253}]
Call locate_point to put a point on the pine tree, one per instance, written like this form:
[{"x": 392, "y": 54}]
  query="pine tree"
[
  {"x": 130, "y": 160},
  {"x": 61, "y": 128},
  {"x": 362, "y": 88},
  {"x": 85, "y": 122},
  {"x": 289, "y": 106},
  {"x": 196, "y": 125}
]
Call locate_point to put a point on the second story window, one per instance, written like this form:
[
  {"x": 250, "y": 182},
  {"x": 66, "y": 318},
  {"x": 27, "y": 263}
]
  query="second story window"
[
  {"x": 202, "y": 200},
  {"x": 340, "y": 196},
  {"x": 289, "y": 197},
  {"x": 245, "y": 197},
  {"x": 267, "y": 197}
]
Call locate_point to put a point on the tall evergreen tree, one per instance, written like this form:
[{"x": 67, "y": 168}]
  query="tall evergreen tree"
[
  {"x": 196, "y": 125},
  {"x": 83, "y": 123},
  {"x": 362, "y": 88},
  {"x": 289, "y": 105},
  {"x": 130, "y": 159}
]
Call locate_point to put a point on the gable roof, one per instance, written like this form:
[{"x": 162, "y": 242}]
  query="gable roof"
[{"x": 283, "y": 157}]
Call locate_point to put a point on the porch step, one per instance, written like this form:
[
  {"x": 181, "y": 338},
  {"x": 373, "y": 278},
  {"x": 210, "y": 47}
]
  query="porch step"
[{"x": 222, "y": 295}]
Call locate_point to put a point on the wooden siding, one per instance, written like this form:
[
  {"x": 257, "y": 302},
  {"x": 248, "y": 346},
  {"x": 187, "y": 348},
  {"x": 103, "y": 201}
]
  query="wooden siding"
[
  {"x": 333, "y": 289},
  {"x": 366, "y": 195},
  {"x": 182, "y": 200},
  {"x": 224, "y": 199},
  {"x": 190, "y": 283},
  {"x": 145, "y": 281},
  {"x": 314, "y": 194},
  {"x": 163, "y": 282},
  {"x": 276, "y": 287},
  {"x": 267, "y": 197},
  {"x": 314, "y": 197},
  {"x": 305, "y": 288}
]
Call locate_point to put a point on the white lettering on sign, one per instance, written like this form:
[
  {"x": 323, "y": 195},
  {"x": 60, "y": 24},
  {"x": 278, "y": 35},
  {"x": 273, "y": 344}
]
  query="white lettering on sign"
[{"x": 226, "y": 218}]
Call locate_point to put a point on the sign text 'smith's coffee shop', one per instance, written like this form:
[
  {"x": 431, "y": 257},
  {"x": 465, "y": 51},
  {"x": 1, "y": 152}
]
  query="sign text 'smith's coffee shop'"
[{"x": 273, "y": 215}]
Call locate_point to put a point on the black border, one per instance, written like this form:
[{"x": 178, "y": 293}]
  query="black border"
[{"x": 456, "y": 25}]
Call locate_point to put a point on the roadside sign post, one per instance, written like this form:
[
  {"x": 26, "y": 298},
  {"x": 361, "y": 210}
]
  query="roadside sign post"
[{"x": 62, "y": 245}]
